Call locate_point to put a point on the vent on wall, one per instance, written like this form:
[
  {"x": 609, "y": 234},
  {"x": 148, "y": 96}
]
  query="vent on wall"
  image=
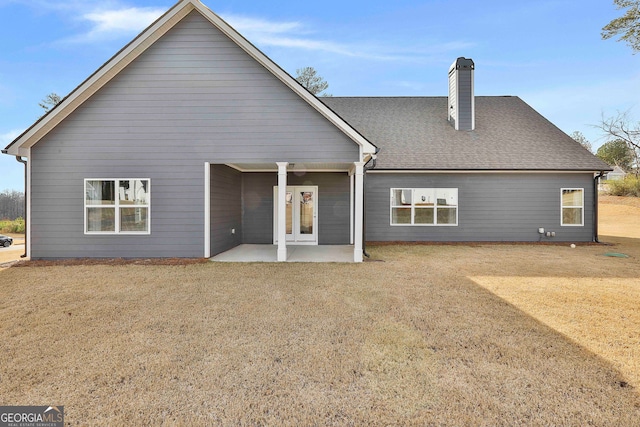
[{"x": 461, "y": 103}]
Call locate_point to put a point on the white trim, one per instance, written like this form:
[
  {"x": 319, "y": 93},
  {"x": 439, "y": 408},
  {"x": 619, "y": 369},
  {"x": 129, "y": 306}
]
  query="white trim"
[
  {"x": 27, "y": 187},
  {"x": 146, "y": 39},
  {"x": 562, "y": 207},
  {"x": 307, "y": 170},
  {"x": 116, "y": 206},
  {"x": 282, "y": 213},
  {"x": 207, "y": 210},
  {"x": 351, "y": 212},
  {"x": 359, "y": 212},
  {"x": 471, "y": 171},
  {"x": 295, "y": 192},
  {"x": 413, "y": 207}
]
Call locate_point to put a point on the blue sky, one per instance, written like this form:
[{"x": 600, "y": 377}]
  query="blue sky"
[{"x": 547, "y": 52}]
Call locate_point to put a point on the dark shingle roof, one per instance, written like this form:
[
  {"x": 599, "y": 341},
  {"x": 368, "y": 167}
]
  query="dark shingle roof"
[{"x": 413, "y": 133}]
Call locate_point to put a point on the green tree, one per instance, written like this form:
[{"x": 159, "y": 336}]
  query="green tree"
[
  {"x": 309, "y": 78},
  {"x": 627, "y": 26},
  {"x": 582, "y": 140},
  {"x": 50, "y": 101},
  {"x": 617, "y": 153}
]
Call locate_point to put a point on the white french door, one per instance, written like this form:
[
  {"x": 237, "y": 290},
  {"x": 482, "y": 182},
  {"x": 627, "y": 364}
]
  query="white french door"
[{"x": 301, "y": 215}]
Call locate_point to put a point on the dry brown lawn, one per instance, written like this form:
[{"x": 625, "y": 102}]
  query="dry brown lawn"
[{"x": 434, "y": 335}]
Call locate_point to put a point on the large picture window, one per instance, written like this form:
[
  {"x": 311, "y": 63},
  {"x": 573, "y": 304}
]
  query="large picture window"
[
  {"x": 424, "y": 206},
  {"x": 117, "y": 206},
  {"x": 572, "y": 206}
]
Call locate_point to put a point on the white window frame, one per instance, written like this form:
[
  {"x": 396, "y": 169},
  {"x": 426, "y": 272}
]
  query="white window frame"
[
  {"x": 117, "y": 207},
  {"x": 562, "y": 207},
  {"x": 413, "y": 207}
]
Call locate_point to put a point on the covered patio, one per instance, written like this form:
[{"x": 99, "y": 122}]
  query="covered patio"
[
  {"x": 297, "y": 253},
  {"x": 281, "y": 211}
]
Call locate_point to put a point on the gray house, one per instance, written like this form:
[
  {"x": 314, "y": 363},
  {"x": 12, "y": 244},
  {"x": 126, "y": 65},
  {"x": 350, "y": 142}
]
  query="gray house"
[{"x": 190, "y": 142}]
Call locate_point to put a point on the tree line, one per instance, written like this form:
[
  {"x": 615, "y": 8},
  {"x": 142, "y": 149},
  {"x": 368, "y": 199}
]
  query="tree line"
[{"x": 11, "y": 204}]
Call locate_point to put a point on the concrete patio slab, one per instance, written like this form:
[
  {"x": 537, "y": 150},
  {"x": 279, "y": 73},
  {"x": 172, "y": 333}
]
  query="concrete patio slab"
[{"x": 295, "y": 253}]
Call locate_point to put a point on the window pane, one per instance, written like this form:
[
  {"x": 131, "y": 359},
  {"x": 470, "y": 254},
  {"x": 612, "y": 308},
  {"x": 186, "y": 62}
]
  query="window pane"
[
  {"x": 572, "y": 197},
  {"x": 447, "y": 215},
  {"x": 100, "y": 192},
  {"x": 423, "y": 196},
  {"x": 401, "y": 197},
  {"x": 401, "y": 216},
  {"x": 447, "y": 196},
  {"x": 101, "y": 219},
  {"x": 306, "y": 212},
  {"x": 133, "y": 219},
  {"x": 289, "y": 212},
  {"x": 133, "y": 192},
  {"x": 572, "y": 216},
  {"x": 423, "y": 216}
]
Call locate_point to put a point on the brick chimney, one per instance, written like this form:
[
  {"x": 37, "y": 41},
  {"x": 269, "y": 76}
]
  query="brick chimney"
[{"x": 461, "y": 103}]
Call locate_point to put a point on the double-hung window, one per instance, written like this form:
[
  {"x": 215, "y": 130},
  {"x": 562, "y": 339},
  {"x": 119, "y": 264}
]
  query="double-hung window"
[
  {"x": 424, "y": 206},
  {"x": 572, "y": 201},
  {"x": 117, "y": 206}
]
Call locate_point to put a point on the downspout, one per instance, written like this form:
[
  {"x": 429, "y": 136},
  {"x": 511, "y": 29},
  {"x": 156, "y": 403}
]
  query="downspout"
[
  {"x": 364, "y": 200},
  {"x": 595, "y": 206}
]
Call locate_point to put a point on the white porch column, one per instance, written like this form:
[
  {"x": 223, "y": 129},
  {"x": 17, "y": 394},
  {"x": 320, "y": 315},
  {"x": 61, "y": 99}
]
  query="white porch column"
[
  {"x": 282, "y": 210},
  {"x": 351, "y": 183},
  {"x": 207, "y": 210},
  {"x": 359, "y": 211}
]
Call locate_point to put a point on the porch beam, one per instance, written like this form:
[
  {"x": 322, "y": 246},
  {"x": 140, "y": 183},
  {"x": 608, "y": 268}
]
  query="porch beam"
[
  {"x": 282, "y": 211},
  {"x": 359, "y": 211}
]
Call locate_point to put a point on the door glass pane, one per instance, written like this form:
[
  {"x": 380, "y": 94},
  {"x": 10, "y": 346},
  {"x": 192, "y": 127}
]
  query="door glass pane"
[
  {"x": 289, "y": 212},
  {"x": 306, "y": 212}
]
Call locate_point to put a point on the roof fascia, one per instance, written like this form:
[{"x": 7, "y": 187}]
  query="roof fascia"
[
  {"x": 484, "y": 171},
  {"x": 20, "y": 146}
]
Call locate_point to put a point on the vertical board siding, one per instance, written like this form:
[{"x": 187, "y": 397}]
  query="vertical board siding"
[
  {"x": 491, "y": 207},
  {"x": 226, "y": 208},
  {"x": 333, "y": 206},
  {"x": 192, "y": 97},
  {"x": 464, "y": 95}
]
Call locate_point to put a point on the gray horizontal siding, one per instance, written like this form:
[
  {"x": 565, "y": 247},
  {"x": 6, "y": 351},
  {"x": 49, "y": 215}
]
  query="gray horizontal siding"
[
  {"x": 226, "y": 208},
  {"x": 190, "y": 98},
  {"x": 333, "y": 206},
  {"x": 492, "y": 207}
]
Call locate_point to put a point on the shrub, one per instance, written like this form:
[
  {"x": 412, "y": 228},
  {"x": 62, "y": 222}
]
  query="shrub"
[
  {"x": 9, "y": 226},
  {"x": 629, "y": 186}
]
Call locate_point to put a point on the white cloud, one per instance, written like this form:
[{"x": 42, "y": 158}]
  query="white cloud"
[
  {"x": 114, "y": 23},
  {"x": 296, "y": 35},
  {"x": 117, "y": 22}
]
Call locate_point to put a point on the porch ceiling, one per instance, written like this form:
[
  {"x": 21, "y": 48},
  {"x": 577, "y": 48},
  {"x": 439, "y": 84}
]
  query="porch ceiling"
[{"x": 293, "y": 167}]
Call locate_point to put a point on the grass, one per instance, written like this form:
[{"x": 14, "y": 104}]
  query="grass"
[
  {"x": 12, "y": 226},
  {"x": 434, "y": 335}
]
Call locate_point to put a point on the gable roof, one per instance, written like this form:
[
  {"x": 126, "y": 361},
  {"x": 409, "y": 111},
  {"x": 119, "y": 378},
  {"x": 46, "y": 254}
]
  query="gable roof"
[
  {"x": 413, "y": 134},
  {"x": 138, "y": 45}
]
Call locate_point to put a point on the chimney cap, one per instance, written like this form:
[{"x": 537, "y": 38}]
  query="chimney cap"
[{"x": 462, "y": 63}]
